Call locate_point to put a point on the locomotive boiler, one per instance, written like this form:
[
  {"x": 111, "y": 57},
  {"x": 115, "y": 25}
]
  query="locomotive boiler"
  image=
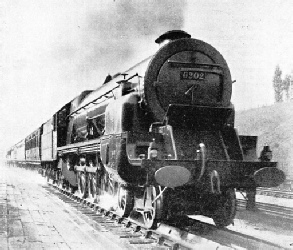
[{"x": 160, "y": 138}]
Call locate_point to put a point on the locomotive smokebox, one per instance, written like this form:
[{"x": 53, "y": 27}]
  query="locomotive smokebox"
[
  {"x": 172, "y": 176},
  {"x": 185, "y": 71}
]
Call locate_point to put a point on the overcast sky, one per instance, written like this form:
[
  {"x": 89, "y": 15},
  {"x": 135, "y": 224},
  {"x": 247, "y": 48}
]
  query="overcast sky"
[{"x": 51, "y": 50}]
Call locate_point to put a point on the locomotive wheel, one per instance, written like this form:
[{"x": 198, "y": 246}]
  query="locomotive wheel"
[
  {"x": 47, "y": 174},
  {"x": 55, "y": 177},
  {"x": 125, "y": 201},
  {"x": 153, "y": 209},
  {"x": 60, "y": 183},
  {"x": 226, "y": 208},
  {"x": 82, "y": 184},
  {"x": 43, "y": 172},
  {"x": 68, "y": 187},
  {"x": 104, "y": 184},
  {"x": 92, "y": 187},
  {"x": 59, "y": 179}
]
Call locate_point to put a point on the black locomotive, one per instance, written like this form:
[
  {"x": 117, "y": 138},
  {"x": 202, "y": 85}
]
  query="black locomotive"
[{"x": 159, "y": 137}]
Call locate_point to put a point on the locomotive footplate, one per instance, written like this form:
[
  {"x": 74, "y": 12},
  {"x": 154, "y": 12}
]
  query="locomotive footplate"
[
  {"x": 213, "y": 174},
  {"x": 92, "y": 146}
]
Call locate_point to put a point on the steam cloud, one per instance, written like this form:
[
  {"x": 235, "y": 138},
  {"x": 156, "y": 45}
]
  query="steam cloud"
[{"x": 112, "y": 36}]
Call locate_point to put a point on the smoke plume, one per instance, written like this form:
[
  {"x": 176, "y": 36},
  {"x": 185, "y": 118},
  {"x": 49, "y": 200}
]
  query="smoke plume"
[{"x": 115, "y": 35}]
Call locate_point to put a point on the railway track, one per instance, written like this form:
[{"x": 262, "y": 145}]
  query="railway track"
[
  {"x": 269, "y": 209},
  {"x": 192, "y": 235},
  {"x": 275, "y": 193}
]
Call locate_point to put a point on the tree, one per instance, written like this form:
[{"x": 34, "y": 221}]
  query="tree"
[
  {"x": 286, "y": 86},
  {"x": 278, "y": 84}
]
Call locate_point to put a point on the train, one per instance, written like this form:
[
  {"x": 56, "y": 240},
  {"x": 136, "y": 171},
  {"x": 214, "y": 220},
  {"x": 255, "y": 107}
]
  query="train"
[{"x": 158, "y": 139}]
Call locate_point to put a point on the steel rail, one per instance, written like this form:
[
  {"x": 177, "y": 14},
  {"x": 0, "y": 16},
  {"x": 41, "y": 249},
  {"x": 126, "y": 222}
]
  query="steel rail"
[
  {"x": 270, "y": 209},
  {"x": 275, "y": 193}
]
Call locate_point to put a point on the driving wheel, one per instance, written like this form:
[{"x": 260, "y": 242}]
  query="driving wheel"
[
  {"x": 225, "y": 208},
  {"x": 125, "y": 201}
]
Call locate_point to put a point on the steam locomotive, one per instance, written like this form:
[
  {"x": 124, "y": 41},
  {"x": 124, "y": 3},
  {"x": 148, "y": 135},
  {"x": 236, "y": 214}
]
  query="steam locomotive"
[{"x": 159, "y": 138}]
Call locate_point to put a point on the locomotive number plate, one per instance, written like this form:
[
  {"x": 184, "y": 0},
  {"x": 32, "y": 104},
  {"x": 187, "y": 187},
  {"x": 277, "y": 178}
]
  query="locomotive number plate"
[{"x": 192, "y": 75}]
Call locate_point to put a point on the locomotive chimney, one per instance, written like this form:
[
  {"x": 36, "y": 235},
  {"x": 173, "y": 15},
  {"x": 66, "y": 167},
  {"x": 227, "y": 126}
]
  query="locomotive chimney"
[{"x": 171, "y": 35}]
